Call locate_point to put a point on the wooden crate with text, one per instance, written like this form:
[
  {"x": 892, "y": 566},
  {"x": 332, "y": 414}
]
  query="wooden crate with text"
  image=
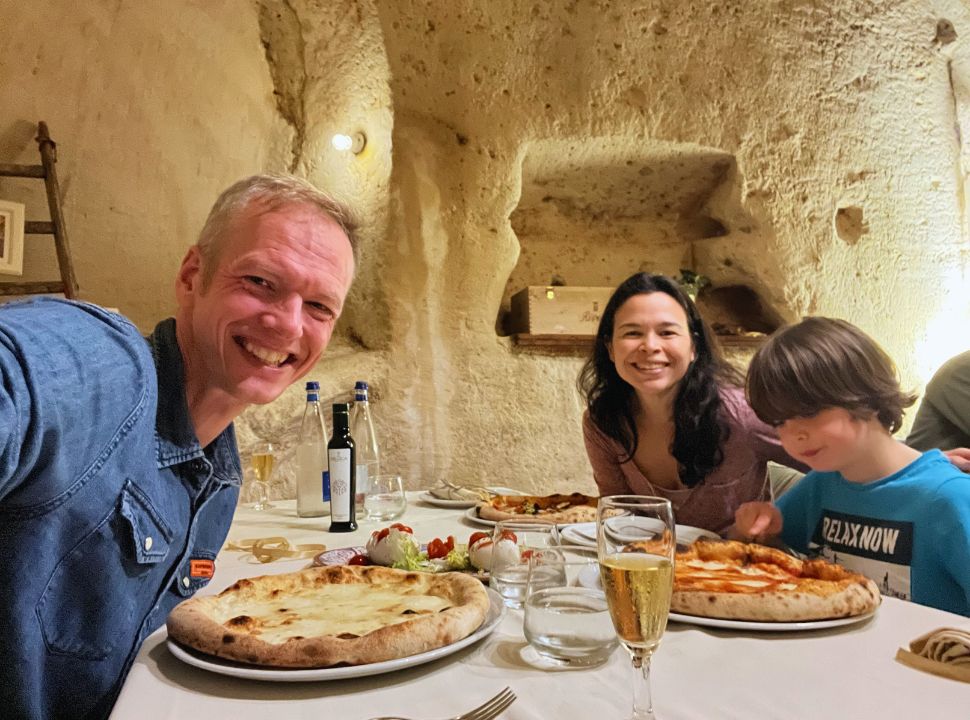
[{"x": 558, "y": 310}]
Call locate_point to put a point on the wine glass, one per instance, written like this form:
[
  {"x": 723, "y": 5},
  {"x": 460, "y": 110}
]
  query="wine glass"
[
  {"x": 263, "y": 459},
  {"x": 635, "y": 546}
]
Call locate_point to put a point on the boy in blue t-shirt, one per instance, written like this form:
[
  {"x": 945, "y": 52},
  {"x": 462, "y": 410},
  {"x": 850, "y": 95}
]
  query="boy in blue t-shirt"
[{"x": 871, "y": 504}]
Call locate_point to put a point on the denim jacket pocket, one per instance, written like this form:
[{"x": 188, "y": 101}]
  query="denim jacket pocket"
[{"x": 98, "y": 592}]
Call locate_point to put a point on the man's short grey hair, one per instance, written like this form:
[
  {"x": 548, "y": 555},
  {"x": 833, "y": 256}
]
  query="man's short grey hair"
[{"x": 269, "y": 192}]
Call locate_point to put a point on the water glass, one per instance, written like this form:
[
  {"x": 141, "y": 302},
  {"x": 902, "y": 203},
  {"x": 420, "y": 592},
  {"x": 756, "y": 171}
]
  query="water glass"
[
  {"x": 385, "y": 499},
  {"x": 509, "y": 574},
  {"x": 565, "y": 620}
]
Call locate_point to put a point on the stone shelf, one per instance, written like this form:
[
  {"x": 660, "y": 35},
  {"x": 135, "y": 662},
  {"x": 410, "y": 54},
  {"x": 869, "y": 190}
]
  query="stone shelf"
[{"x": 567, "y": 343}]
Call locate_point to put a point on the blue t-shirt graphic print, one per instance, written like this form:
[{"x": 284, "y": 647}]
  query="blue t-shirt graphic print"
[{"x": 879, "y": 549}]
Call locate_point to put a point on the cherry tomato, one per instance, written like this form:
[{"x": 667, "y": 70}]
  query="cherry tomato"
[
  {"x": 359, "y": 559},
  {"x": 526, "y": 554},
  {"x": 508, "y": 535},
  {"x": 381, "y": 534},
  {"x": 476, "y": 536},
  {"x": 437, "y": 549}
]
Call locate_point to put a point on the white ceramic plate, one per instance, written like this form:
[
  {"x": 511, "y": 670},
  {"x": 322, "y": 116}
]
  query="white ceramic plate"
[
  {"x": 585, "y": 534},
  {"x": 472, "y": 515},
  {"x": 769, "y": 626},
  {"x": 590, "y": 577},
  {"x": 440, "y": 502},
  {"x": 496, "y": 611}
]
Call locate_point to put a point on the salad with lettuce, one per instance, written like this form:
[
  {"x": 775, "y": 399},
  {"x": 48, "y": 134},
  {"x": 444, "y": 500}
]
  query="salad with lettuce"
[{"x": 396, "y": 547}]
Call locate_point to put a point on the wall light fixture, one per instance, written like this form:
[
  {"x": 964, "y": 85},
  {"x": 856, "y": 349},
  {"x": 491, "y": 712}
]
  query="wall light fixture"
[{"x": 355, "y": 143}]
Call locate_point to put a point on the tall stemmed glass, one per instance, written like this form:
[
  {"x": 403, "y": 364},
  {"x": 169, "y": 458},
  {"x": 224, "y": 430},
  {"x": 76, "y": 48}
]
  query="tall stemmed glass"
[
  {"x": 635, "y": 546},
  {"x": 263, "y": 458}
]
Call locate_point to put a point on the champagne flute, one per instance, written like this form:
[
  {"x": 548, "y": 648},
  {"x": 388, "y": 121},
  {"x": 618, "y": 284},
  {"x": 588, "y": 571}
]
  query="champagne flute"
[
  {"x": 263, "y": 459},
  {"x": 635, "y": 546}
]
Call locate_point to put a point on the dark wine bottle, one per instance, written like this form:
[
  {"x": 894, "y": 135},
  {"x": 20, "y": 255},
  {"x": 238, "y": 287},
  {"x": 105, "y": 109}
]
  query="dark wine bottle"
[{"x": 342, "y": 461}]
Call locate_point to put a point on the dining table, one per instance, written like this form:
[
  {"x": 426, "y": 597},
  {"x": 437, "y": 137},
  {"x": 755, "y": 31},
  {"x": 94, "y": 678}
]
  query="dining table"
[{"x": 698, "y": 671}]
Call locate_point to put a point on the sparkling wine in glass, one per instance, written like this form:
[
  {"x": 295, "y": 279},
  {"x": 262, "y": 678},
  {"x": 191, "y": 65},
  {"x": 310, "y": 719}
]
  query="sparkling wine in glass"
[
  {"x": 635, "y": 547},
  {"x": 263, "y": 459}
]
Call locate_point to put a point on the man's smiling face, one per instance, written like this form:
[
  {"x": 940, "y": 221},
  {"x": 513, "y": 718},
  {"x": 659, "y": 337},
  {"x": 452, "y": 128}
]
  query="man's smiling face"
[{"x": 267, "y": 311}]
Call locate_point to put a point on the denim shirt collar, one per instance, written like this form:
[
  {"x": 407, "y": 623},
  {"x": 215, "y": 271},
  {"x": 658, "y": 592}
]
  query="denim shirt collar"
[{"x": 175, "y": 437}]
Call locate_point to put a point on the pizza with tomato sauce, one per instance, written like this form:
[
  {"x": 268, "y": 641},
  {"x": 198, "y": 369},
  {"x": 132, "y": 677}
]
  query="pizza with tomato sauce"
[
  {"x": 555, "y": 509},
  {"x": 746, "y": 581}
]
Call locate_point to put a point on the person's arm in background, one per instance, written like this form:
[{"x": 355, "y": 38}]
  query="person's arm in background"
[
  {"x": 960, "y": 457},
  {"x": 943, "y": 418},
  {"x": 606, "y": 470}
]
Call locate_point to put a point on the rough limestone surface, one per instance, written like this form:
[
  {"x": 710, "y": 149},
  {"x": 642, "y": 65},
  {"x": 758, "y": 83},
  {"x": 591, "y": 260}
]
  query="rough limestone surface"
[{"x": 815, "y": 152}]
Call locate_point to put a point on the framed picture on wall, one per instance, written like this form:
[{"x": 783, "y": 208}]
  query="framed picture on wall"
[{"x": 11, "y": 238}]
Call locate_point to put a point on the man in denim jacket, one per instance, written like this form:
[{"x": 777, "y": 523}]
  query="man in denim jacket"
[{"x": 119, "y": 471}]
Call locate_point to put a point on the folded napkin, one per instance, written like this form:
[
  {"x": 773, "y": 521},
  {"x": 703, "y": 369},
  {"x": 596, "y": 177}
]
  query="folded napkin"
[
  {"x": 458, "y": 492},
  {"x": 945, "y": 651}
]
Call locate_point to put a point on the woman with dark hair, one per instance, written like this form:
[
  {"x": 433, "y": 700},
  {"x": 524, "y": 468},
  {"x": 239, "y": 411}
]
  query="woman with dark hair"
[{"x": 666, "y": 415}]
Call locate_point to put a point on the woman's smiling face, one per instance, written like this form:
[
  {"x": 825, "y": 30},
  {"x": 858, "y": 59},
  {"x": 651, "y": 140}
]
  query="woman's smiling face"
[{"x": 651, "y": 345}]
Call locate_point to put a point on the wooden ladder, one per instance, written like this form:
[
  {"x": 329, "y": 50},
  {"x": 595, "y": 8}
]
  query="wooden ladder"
[{"x": 46, "y": 171}]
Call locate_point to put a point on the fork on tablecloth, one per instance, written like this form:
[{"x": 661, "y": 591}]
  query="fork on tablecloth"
[{"x": 486, "y": 711}]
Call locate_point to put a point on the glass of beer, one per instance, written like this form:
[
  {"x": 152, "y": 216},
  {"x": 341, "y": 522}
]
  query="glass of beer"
[
  {"x": 263, "y": 459},
  {"x": 635, "y": 547}
]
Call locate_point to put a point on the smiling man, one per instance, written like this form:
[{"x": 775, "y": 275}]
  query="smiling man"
[{"x": 119, "y": 471}]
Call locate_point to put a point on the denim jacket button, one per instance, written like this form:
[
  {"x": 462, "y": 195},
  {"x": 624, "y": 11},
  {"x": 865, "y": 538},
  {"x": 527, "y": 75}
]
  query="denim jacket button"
[
  {"x": 149, "y": 542},
  {"x": 185, "y": 581}
]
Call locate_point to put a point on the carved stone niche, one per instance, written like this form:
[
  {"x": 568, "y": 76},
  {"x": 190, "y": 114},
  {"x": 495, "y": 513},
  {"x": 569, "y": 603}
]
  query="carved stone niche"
[
  {"x": 593, "y": 211},
  {"x": 737, "y": 314}
]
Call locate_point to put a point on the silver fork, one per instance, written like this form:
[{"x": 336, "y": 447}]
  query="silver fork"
[{"x": 486, "y": 711}]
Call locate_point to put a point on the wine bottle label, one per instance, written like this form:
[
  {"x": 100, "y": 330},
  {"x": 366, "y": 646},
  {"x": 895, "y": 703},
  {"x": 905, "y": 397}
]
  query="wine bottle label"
[{"x": 340, "y": 497}]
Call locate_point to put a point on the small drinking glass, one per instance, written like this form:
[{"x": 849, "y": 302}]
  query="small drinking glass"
[
  {"x": 385, "y": 499},
  {"x": 635, "y": 544},
  {"x": 509, "y": 573},
  {"x": 263, "y": 459},
  {"x": 567, "y": 618}
]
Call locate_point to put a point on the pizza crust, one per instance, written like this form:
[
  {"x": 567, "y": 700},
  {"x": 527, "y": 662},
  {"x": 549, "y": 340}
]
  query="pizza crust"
[
  {"x": 264, "y": 620},
  {"x": 741, "y": 581},
  {"x": 540, "y": 509}
]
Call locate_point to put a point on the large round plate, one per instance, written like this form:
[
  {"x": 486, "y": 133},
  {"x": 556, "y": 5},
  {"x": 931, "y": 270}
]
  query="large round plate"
[
  {"x": 496, "y": 612},
  {"x": 589, "y": 577},
  {"x": 472, "y": 515},
  {"x": 769, "y": 626},
  {"x": 585, "y": 534},
  {"x": 440, "y": 502}
]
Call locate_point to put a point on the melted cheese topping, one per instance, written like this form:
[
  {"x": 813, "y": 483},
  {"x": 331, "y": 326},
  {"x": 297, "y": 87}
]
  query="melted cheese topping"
[
  {"x": 719, "y": 576},
  {"x": 329, "y": 610}
]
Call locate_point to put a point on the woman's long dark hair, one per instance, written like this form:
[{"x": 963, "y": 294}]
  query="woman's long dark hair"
[{"x": 699, "y": 427}]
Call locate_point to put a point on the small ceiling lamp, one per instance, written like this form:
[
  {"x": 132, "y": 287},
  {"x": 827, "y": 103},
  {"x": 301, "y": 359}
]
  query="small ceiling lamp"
[{"x": 355, "y": 143}]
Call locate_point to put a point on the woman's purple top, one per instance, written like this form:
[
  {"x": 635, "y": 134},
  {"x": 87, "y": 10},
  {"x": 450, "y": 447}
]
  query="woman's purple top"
[{"x": 740, "y": 478}]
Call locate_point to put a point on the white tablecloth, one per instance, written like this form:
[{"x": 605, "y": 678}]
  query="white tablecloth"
[{"x": 697, "y": 673}]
